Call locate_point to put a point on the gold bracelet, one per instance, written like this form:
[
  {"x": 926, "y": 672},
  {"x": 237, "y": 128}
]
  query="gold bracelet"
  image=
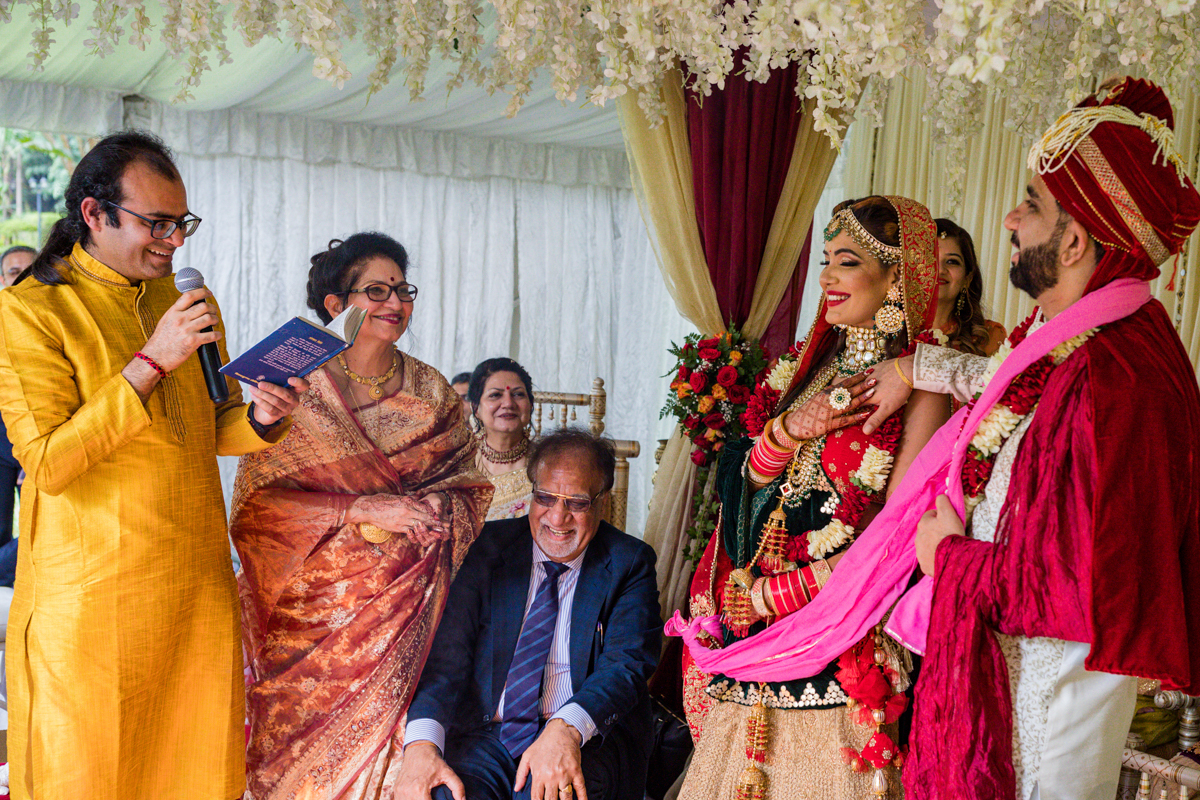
[
  {"x": 756, "y": 599},
  {"x": 821, "y": 572},
  {"x": 781, "y": 435},
  {"x": 900, "y": 372},
  {"x": 758, "y": 477}
]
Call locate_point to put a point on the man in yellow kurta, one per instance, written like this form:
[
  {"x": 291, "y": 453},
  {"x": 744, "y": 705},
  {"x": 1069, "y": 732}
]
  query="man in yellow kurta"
[{"x": 124, "y": 666}]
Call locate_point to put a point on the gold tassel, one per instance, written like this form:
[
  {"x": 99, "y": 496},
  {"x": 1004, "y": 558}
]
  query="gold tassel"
[
  {"x": 752, "y": 783},
  {"x": 737, "y": 609},
  {"x": 774, "y": 543}
]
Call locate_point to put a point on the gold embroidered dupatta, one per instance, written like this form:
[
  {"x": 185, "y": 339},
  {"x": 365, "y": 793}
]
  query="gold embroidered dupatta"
[{"x": 337, "y": 629}]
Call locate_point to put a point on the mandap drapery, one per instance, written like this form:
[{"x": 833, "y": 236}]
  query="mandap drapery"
[
  {"x": 996, "y": 175},
  {"x": 728, "y": 183},
  {"x": 536, "y": 252}
]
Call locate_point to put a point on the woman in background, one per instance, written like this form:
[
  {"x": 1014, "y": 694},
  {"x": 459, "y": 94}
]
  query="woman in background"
[
  {"x": 960, "y": 316},
  {"x": 349, "y": 532},
  {"x": 501, "y": 397}
]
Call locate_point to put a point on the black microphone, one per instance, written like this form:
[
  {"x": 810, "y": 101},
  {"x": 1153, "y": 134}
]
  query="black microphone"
[{"x": 186, "y": 280}]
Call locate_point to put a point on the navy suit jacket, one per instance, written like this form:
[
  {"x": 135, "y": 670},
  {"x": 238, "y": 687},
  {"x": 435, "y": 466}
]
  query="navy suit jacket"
[{"x": 615, "y": 632}]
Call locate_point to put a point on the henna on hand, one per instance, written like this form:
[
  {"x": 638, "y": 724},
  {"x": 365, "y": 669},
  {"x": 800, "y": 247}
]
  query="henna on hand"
[{"x": 818, "y": 417}]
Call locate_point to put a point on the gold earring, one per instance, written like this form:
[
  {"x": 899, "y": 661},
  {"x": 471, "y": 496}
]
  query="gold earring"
[
  {"x": 960, "y": 305},
  {"x": 889, "y": 319}
]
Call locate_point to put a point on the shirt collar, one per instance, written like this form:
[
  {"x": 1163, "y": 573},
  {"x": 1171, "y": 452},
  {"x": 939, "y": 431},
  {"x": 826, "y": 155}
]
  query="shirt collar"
[
  {"x": 573, "y": 564},
  {"x": 89, "y": 267}
]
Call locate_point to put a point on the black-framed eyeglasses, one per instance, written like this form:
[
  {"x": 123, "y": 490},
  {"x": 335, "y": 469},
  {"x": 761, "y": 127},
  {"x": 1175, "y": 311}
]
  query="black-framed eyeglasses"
[
  {"x": 164, "y": 228},
  {"x": 576, "y": 505},
  {"x": 380, "y": 292}
]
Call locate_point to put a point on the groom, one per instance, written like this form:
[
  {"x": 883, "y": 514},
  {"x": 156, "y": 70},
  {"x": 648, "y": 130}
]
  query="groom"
[{"x": 1075, "y": 576}]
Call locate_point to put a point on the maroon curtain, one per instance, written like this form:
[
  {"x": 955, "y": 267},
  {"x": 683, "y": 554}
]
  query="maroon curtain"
[{"x": 741, "y": 141}]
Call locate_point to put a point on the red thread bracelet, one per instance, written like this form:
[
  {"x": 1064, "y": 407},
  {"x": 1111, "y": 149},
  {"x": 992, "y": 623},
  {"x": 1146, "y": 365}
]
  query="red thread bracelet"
[{"x": 162, "y": 373}]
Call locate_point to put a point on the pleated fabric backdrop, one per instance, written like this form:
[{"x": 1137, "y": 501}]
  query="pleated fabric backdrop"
[{"x": 560, "y": 276}]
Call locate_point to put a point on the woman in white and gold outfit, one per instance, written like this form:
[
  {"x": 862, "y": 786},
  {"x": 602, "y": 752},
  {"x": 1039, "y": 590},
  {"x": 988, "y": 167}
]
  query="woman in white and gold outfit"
[{"x": 501, "y": 397}]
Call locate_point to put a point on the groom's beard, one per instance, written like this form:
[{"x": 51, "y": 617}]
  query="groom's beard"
[{"x": 1036, "y": 270}]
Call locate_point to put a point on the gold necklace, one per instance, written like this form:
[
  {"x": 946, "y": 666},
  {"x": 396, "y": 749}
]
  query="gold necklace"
[
  {"x": 864, "y": 346},
  {"x": 374, "y": 383},
  {"x": 510, "y": 456}
]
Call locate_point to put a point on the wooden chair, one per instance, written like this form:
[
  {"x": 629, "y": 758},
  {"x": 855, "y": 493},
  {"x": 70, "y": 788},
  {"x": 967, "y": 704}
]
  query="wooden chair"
[{"x": 559, "y": 409}]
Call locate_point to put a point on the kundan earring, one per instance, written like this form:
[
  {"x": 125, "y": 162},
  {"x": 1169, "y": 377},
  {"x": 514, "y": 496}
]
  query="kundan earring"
[
  {"x": 889, "y": 319},
  {"x": 960, "y": 305}
]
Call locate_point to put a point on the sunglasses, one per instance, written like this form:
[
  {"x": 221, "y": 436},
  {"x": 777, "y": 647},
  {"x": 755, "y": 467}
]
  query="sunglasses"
[{"x": 576, "y": 505}]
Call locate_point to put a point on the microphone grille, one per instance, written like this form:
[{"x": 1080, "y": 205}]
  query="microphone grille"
[{"x": 188, "y": 279}]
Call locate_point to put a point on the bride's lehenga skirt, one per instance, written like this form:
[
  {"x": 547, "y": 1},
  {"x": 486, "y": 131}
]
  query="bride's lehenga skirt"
[{"x": 804, "y": 756}]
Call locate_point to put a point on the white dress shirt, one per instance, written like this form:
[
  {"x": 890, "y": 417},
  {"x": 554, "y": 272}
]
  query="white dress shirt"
[{"x": 556, "y": 680}]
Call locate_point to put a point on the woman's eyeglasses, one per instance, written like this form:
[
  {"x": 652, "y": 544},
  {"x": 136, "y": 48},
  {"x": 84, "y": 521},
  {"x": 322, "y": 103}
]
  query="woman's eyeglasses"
[
  {"x": 380, "y": 292},
  {"x": 576, "y": 505}
]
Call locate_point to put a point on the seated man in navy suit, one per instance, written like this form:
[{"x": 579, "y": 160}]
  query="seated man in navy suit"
[{"x": 535, "y": 685}]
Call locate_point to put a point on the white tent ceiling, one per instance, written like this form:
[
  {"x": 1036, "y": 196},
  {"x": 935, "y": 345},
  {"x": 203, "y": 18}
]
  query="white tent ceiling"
[{"x": 274, "y": 77}]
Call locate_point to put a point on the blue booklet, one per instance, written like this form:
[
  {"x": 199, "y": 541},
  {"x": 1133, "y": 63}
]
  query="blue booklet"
[{"x": 296, "y": 348}]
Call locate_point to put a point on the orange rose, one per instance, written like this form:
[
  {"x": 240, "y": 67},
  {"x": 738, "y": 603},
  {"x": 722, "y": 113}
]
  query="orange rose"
[
  {"x": 735, "y": 356},
  {"x": 706, "y": 404},
  {"x": 683, "y": 391},
  {"x": 719, "y": 393}
]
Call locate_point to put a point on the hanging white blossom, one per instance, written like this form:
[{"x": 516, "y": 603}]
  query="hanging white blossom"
[{"x": 1043, "y": 55}]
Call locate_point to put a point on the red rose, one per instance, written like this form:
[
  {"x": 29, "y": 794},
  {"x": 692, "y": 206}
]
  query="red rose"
[
  {"x": 703, "y": 343},
  {"x": 687, "y": 348},
  {"x": 698, "y": 381},
  {"x": 737, "y": 394},
  {"x": 699, "y": 458},
  {"x": 684, "y": 372},
  {"x": 709, "y": 353},
  {"x": 727, "y": 376},
  {"x": 714, "y": 421},
  {"x": 691, "y": 421}
]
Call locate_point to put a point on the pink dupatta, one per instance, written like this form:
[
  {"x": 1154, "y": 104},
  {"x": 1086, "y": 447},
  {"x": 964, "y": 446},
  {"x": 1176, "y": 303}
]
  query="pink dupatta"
[{"x": 875, "y": 571}]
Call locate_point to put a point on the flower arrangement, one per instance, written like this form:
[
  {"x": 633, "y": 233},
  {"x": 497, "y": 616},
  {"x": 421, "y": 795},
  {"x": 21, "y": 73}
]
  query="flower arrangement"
[
  {"x": 714, "y": 379},
  {"x": 1042, "y": 55}
]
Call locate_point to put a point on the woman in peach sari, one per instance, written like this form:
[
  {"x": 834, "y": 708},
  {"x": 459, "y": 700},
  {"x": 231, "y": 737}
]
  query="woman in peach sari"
[{"x": 349, "y": 533}]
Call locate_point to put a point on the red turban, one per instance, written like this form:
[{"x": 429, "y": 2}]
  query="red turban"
[{"x": 1111, "y": 163}]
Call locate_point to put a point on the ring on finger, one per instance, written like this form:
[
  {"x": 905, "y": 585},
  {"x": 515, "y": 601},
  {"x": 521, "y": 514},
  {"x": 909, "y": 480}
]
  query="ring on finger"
[
  {"x": 840, "y": 398},
  {"x": 567, "y": 790}
]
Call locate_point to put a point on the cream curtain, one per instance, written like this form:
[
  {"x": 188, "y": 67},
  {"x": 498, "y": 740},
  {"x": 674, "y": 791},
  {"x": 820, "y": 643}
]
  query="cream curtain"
[
  {"x": 661, "y": 168},
  {"x": 995, "y": 182}
]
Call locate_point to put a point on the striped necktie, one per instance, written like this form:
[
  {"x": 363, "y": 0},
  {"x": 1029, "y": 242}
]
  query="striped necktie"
[{"x": 523, "y": 688}]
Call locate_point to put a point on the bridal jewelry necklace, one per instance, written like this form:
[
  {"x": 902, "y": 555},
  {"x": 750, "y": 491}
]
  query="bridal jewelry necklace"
[
  {"x": 373, "y": 383},
  {"x": 513, "y": 454},
  {"x": 864, "y": 346}
]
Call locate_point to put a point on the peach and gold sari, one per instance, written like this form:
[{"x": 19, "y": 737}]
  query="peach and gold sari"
[{"x": 336, "y": 629}]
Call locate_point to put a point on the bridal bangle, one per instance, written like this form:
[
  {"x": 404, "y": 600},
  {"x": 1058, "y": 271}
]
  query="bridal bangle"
[{"x": 900, "y": 372}]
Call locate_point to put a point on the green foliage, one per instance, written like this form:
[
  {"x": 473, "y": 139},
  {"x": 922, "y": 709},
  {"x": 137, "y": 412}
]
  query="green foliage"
[{"x": 23, "y": 229}]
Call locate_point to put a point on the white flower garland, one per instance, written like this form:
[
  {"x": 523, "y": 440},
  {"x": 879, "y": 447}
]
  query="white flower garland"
[
  {"x": 783, "y": 373},
  {"x": 1000, "y": 422},
  {"x": 1043, "y": 55},
  {"x": 873, "y": 471},
  {"x": 829, "y": 538}
]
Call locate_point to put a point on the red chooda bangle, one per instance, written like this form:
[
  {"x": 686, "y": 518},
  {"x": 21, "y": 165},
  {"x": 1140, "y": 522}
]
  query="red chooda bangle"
[
  {"x": 162, "y": 373},
  {"x": 786, "y": 593}
]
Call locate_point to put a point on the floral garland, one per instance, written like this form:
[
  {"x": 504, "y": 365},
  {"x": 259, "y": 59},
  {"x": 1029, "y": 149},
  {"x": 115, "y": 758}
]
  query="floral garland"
[
  {"x": 1018, "y": 401},
  {"x": 867, "y": 481},
  {"x": 1042, "y": 56}
]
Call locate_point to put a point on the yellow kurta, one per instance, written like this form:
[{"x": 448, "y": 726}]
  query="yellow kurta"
[{"x": 124, "y": 660}]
